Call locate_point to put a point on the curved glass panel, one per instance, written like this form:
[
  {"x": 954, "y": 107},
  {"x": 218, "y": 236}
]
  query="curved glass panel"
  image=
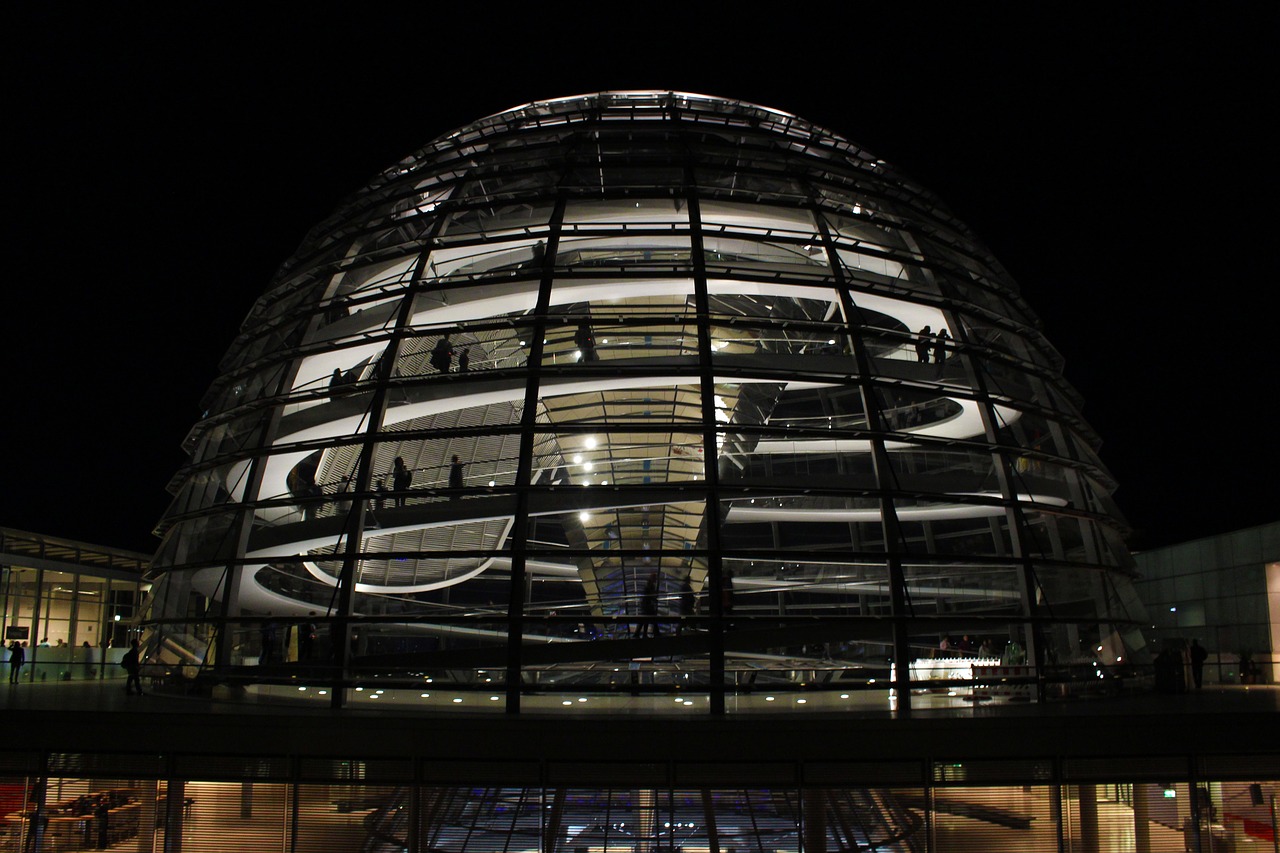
[{"x": 646, "y": 395}]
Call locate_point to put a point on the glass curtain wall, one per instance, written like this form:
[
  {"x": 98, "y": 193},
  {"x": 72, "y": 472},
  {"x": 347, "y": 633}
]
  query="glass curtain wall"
[
  {"x": 72, "y": 626},
  {"x": 338, "y": 806},
  {"x": 654, "y": 399}
]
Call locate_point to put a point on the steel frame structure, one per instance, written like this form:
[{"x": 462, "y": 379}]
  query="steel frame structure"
[{"x": 689, "y": 356}]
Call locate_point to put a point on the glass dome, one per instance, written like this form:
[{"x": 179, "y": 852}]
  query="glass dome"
[{"x": 636, "y": 395}]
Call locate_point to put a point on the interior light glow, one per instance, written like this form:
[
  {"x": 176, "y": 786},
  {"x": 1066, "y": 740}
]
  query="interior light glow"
[
  {"x": 584, "y": 517},
  {"x": 493, "y": 483},
  {"x": 844, "y": 695},
  {"x": 457, "y": 701},
  {"x": 768, "y": 698},
  {"x": 590, "y": 466},
  {"x": 577, "y": 459},
  {"x": 591, "y": 442},
  {"x": 566, "y": 702},
  {"x": 493, "y": 698},
  {"x": 426, "y": 695}
]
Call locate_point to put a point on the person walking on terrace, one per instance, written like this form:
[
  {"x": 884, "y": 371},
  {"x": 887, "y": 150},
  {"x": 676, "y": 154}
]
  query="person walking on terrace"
[
  {"x": 940, "y": 348},
  {"x": 401, "y": 479},
  {"x": 442, "y": 355},
  {"x": 132, "y": 664},
  {"x": 17, "y": 657},
  {"x": 923, "y": 339},
  {"x": 649, "y": 608}
]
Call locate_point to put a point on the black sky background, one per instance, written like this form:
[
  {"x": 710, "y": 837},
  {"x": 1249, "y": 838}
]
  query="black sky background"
[{"x": 161, "y": 166}]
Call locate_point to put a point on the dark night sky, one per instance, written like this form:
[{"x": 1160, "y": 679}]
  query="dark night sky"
[{"x": 160, "y": 168}]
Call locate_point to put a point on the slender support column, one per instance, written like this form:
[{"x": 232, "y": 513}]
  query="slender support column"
[
  {"x": 899, "y": 600},
  {"x": 1087, "y": 797},
  {"x": 709, "y": 818},
  {"x": 710, "y": 449},
  {"x": 551, "y": 830},
  {"x": 524, "y": 468},
  {"x": 174, "y": 801},
  {"x": 1141, "y": 818},
  {"x": 353, "y": 530},
  {"x": 1019, "y": 534}
]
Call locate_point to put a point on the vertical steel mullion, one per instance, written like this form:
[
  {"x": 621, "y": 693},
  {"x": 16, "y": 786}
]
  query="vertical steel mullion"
[
  {"x": 1019, "y": 534},
  {"x": 35, "y": 626},
  {"x": 710, "y": 456},
  {"x": 524, "y": 466},
  {"x": 243, "y": 528},
  {"x": 354, "y": 528},
  {"x": 899, "y": 601}
]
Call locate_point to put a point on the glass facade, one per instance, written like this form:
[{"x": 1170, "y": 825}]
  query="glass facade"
[
  {"x": 72, "y": 607},
  {"x": 651, "y": 400},
  {"x": 1223, "y": 593},
  {"x": 190, "y": 803}
]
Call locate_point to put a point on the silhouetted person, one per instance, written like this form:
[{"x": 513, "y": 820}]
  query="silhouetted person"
[
  {"x": 336, "y": 382},
  {"x": 17, "y": 657},
  {"x": 464, "y": 360},
  {"x": 442, "y": 355},
  {"x": 267, "y": 632},
  {"x": 922, "y": 345},
  {"x": 1198, "y": 656},
  {"x": 649, "y": 607},
  {"x": 539, "y": 254},
  {"x": 455, "y": 476},
  {"x": 401, "y": 479},
  {"x": 307, "y": 638},
  {"x": 686, "y": 601},
  {"x": 132, "y": 664},
  {"x": 940, "y": 348},
  {"x": 586, "y": 342},
  {"x": 102, "y": 818}
]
